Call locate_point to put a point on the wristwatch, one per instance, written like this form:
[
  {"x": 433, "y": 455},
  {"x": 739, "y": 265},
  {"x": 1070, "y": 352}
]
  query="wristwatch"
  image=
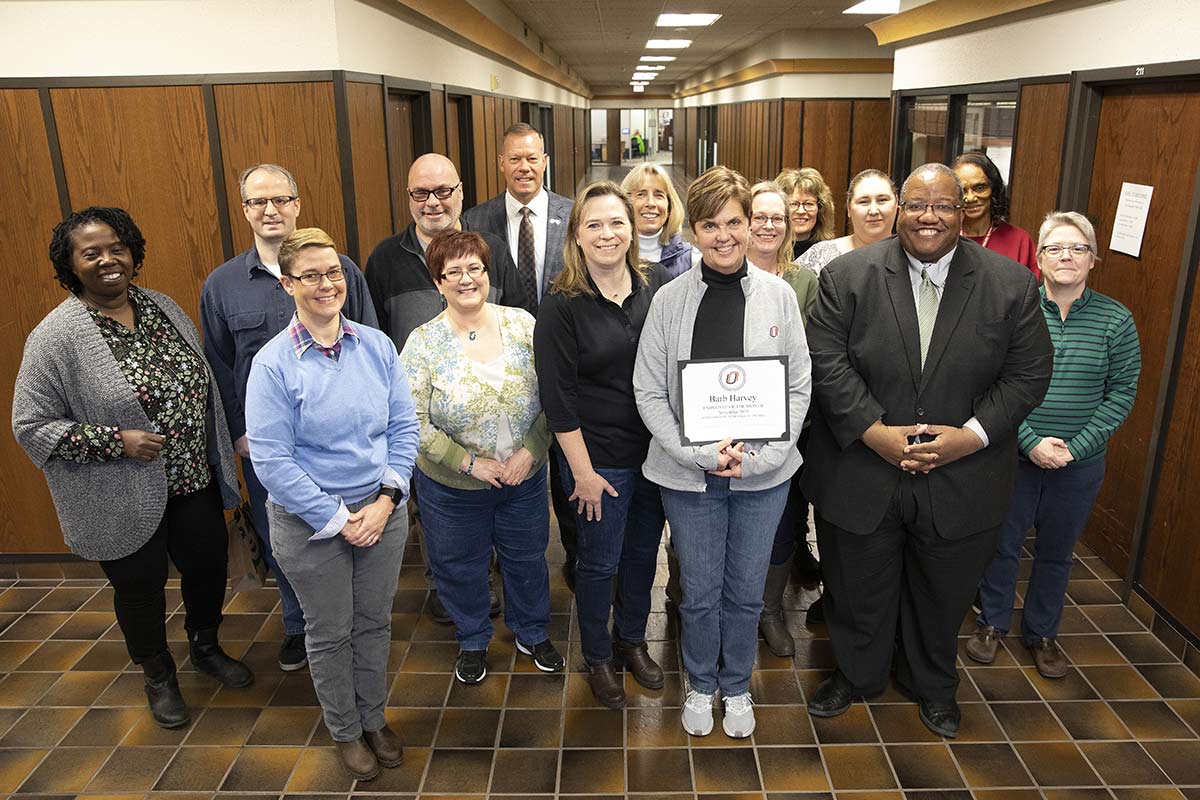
[{"x": 390, "y": 492}]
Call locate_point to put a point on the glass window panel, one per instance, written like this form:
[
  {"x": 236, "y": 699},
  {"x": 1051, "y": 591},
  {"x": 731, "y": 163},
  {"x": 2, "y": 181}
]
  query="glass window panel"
[
  {"x": 987, "y": 127},
  {"x": 925, "y": 123}
]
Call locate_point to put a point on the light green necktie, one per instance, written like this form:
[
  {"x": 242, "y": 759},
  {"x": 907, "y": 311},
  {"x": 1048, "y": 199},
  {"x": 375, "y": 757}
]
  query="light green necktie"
[{"x": 927, "y": 308}]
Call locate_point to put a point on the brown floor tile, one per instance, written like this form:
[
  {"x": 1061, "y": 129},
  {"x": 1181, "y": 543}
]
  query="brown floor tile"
[
  {"x": 977, "y": 725},
  {"x": 924, "y": 766},
  {"x": 103, "y": 600},
  {"x": 1091, "y": 593},
  {"x": 1071, "y": 686},
  {"x": 1152, "y": 719},
  {"x": 1090, "y": 720},
  {"x": 598, "y": 770},
  {"x": 852, "y": 727},
  {"x": 1123, "y": 764},
  {"x": 197, "y": 769},
  {"x": 34, "y": 627},
  {"x": 1180, "y": 760},
  {"x": 638, "y": 696},
  {"x": 579, "y": 693},
  {"x": 1002, "y": 684},
  {"x": 131, "y": 768},
  {"x": 780, "y": 725},
  {"x": 261, "y": 769},
  {"x": 536, "y": 691},
  {"x": 21, "y": 599},
  {"x": 489, "y": 694},
  {"x": 15, "y": 766},
  {"x": 659, "y": 727},
  {"x": 726, "y": 769},
  {"x": 653, "y": 771},
  {"x": 1028, "y": 722},
  {"x": 792, "y": 769},
  {"x": 990, "y": 765},
  {"x": 1090, "y": 650},
  {"x": 103, "y": 727},
  {"x": 1057, "y": 764},
  {"x": 1007, "y": 794},
  {"x": 530, "y": 728},
  {"x": 295, "y": 690},
  {"x": 1119, "y": 683},
  {"x": 587, "y": 727},
  {"x": 432, "y": 657},
  {"x": 13, "y": 653},
  {"x": 8, "y": 718},
  {"x": 1170, "y": 637},
  {"x": 525, "y": 772},
  {"x": 468, "y": 727},
  {"x": 405, "y": 778},
  {"x": 1172, "y": 681},
  {"x": 1142, "y": 648},
  {"x": 279, "y": 726},
  {"x": 427, "y": 690},
  {"x": 42, "y": 727},
  {"x": 320, "y": 770},
  {"x": 1113, "y": 619},
  {"x": 458, "y": 771},
  {"x": 900, "y": 724},
  {"x": 255, "y": 601},
  {"x": 105, "y": 657},
  {"x": 1148, "y": 793},
  {"x": 1188, "y": 711},
  {"x": 223, "y": 726},
  {"x": 65, "y": 771},
  {"x": 775, "y": 687},
  {"x": 858, "y": 767},
  {"x": 65, "y": 599},
  {"x": 1077, "y": 794},
  {"x": 86, "y": 625},
  {"x": 147, "y": 734}
]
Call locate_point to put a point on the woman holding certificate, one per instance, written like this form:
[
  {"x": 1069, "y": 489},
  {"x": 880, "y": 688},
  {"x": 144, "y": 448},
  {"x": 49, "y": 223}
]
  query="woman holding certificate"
[
  {"x": 585, "y": 343},
  {"x": 723, "y": 490}
]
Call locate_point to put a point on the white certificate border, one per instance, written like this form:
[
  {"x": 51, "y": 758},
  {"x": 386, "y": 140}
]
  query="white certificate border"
[{"x": 787, "y": 406}]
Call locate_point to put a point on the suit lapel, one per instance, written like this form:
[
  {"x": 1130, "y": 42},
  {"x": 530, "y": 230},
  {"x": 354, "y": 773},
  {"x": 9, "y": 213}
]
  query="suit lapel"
[
  {"x": 900, "y": 290},
  {"x": 556, "y": 231},
  {"x": 959, "y": 283}
]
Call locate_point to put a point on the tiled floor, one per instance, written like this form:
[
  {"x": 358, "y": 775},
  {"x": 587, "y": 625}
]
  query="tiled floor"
[{"x": 1123, "y": 724}]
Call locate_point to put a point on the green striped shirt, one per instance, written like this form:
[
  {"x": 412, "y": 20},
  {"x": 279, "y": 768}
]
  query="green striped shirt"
[{"x": 1097, "y": 360}]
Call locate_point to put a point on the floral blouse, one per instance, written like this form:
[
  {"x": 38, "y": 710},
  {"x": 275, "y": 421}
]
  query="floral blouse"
[
  {"x": 460, "y": 407},
  {"x": 169, "y": 379}
]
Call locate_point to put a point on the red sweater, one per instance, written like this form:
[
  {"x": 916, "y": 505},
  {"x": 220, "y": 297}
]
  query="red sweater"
[{"x": 1009, "y": 240}]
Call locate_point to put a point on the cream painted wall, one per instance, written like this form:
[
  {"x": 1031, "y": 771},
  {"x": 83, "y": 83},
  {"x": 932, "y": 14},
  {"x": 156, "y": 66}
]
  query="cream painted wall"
[
  {"x": 133, "y": 37},
  {"x": 858, "y": 43},
  {"x": 640, "y": 102},
  {"x": 813, "y": 86},
  {"x": 1110, "y": 34}
]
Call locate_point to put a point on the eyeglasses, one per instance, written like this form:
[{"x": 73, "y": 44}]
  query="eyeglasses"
[
  {"x": 943, "y": 210},
  {"x": 441, "y": 193},
  {"x": 455, "y": 274},
  {"x": 808, "y": 205},
  {"x": 260, "y": 203},
  {"x": 335, "y": 275},
  {"x": 1056, "y": 250},
  {"x": 763, "y": 219}
]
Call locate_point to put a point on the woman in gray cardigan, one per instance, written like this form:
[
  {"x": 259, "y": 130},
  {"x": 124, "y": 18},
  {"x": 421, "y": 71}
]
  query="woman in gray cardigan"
[
  {"x": 116, "y": 404},
  {"x": 722, "y": 500}
]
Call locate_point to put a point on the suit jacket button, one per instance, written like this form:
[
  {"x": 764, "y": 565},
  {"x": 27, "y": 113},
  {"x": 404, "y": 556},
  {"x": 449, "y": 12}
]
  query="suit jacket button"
[{"x": 920, "y": 412}]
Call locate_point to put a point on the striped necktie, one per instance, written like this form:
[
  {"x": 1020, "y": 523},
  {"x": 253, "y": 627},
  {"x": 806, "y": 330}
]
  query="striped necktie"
[{"x": 927, "y": 308}]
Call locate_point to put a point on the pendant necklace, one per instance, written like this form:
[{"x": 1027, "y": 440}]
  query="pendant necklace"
[
  {"x": 471, "y": 335},
  {"x": 988, "y": 237}
]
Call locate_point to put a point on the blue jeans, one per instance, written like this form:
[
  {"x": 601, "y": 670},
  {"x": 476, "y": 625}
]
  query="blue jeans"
[
  {"x": 462, "y": 526},
  {"x": 723, "y": 540},
  {"x": 623, "y": 543},
  {"x": 293, "y": 615},
  {"x": 1056, "y": 502}
]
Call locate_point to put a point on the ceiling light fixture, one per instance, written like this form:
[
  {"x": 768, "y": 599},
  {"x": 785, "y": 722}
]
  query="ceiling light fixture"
[
  {"x": 686, "y": 20},
  {"x": 644, "y": 76},
  {"x": 875, "y": 7},
  {"x": 668, "y": 44},
  {"x": 648, "y": 67},
  {"x": 641, "y": 88},
  {"x": 657, "y": 58}
]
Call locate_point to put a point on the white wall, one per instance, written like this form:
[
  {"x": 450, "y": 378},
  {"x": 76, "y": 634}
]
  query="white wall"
[
  {"x": 638, "y": 102},
  {"x": 856, "y": 43},
  {"x": 805, "y": 85},
  {"x": 1111, "y": 34}
]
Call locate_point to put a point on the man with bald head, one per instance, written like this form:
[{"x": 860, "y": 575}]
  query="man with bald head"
[
  {"x": 927, "y": 353},
  {"x": 404, "y": 294}
]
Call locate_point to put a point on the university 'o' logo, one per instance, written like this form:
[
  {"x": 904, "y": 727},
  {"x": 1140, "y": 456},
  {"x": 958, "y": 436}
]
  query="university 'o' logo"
[
  {"x": 774, "y": 331},
  {"x": 732, "y": 378}
]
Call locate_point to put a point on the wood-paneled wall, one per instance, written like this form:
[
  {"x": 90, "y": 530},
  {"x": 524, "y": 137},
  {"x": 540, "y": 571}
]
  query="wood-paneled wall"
[
  {"x": 368, "y": 146},
  {"x": 489, "y": 117},
  {"x": 748, "y": 135},
  {"x": 1037, "y": 161}
]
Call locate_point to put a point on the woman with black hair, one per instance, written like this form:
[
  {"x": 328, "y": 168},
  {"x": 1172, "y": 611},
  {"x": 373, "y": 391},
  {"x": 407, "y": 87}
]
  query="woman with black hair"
[
  {"x": 985, "y": 211},
  {"x": 116, "y": 404}
]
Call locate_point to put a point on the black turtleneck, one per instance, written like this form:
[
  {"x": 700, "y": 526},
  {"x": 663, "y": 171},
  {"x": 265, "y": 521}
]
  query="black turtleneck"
[{"x": 717, "y": 332}]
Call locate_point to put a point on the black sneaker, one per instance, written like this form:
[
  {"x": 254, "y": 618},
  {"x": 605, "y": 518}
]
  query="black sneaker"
[
  {"x": 545, "y": 657},
  {"x": 471, "y": 666},
  {"x": 292, "y": 653}
]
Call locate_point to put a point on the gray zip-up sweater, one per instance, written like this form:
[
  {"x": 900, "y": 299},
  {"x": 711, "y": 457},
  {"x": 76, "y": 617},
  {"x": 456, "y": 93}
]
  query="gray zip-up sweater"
[
  {"x": 773, "y": 327},
  {"x": 68, "y": 374}
]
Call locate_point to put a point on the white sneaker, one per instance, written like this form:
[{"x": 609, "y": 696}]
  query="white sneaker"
[
  {"x": 739, "y": 716},
  {"x": 697, "y": 713}
]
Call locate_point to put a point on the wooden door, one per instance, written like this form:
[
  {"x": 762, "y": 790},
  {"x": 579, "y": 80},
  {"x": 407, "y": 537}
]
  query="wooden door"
[
  {"x": 1147, "y": 135},
  {"x": 400, "y": 154}
]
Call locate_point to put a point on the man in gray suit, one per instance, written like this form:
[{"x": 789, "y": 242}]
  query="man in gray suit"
[{"x": 533, "y": 221}]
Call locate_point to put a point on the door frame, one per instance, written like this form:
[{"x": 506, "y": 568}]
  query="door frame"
[{"x": 1075, "y": 184}]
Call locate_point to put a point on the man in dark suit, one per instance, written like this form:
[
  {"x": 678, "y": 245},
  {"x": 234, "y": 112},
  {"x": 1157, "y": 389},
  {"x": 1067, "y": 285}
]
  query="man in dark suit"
[
  {"x": 533, "y": 220},
  {"x": 927, "y": 353}
]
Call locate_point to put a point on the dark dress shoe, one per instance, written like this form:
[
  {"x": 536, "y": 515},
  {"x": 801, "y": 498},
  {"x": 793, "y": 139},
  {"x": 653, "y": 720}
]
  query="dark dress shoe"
[
  {"x": 832, "y": 697},
  {"x": 815, "y": 615},
  {"x": 637, "y": 661},
  {"x": 385, "y": 745},
  {"x": 1051, "y": 662},
  {"x": 607, "y": 685},
  {"x": 358, "y": 759},
  {"x": 162, "y": 692},
  {"x": 209, "y": 658},
  {"x": 941, "y": 718}
]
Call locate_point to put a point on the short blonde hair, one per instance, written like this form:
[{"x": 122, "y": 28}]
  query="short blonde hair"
[
  {"x": 709, "y": 193},
  {"x": 808, "y": 181},
  {"x": 638, "y": 177},
  {"x": 783, "y": 253},
  {"x": 1057, "y": 219},
  {"x": 573, "y": 279},
  {"x": 298, "y": 240}
]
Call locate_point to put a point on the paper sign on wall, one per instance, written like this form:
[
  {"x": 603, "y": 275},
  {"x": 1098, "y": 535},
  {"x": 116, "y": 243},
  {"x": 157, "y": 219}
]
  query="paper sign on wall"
[{"x": 1130, "y": 222}]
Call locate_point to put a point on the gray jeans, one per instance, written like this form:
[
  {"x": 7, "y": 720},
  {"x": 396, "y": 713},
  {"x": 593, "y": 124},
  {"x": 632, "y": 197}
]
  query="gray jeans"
[{"x": 346, "y": 593}]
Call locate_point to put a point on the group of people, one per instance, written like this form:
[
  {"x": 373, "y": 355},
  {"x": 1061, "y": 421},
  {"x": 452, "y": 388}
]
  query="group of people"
[{"x": 940, "y": 401}]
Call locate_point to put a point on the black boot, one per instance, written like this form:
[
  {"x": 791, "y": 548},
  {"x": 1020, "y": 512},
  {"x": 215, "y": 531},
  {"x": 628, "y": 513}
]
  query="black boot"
[
  {"x": 771, "y": 623},
  {"x": 162, "y": 692},
  {"x": 806, "y": 569},
  {"x": 209, "y": 658}
]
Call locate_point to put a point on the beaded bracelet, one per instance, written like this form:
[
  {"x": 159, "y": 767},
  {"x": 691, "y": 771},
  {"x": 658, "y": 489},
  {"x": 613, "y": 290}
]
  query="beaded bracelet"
[{"x": 471, "y": 465}]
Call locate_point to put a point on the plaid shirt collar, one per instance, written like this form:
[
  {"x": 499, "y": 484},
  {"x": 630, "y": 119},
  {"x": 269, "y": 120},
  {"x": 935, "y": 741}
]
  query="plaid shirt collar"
[{"x": 302, "y": 339}]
